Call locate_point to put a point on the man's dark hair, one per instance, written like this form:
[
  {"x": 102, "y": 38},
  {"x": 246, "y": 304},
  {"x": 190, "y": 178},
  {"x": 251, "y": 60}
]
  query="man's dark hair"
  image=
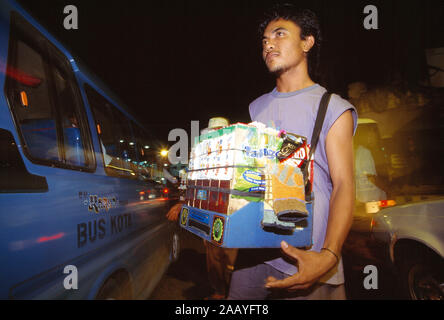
[{"x": 304, "y": 19}]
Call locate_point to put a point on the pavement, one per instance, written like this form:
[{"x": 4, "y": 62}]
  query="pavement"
[{"x": 187, "y": 278}]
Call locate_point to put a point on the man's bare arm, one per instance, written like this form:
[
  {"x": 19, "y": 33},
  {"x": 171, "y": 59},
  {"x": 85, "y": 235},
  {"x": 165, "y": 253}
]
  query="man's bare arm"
[{"x": 339, "y": 148}]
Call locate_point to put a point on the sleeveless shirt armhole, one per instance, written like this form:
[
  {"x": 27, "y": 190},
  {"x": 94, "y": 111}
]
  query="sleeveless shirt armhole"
[{"x": 337, "y": 112}]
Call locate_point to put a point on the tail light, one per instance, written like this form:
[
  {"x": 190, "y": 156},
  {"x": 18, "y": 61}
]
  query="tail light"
[
  {"x": 375, "y": 206},
  {"x": 386, "y": 203}
]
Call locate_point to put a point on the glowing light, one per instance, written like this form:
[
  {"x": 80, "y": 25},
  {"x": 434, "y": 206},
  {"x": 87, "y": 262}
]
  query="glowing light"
[
  {"x": 164, "y": 153},
  {"x": 146, "y": 147},
  {"x": 387, "y": 203},
  {"x": 22, "y": 77},
  {"x": 24, "y": 98},
  {"x": 50, "y": 238}
]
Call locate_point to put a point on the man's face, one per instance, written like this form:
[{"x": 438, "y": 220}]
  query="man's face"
[{"x": 282, "y": 47}]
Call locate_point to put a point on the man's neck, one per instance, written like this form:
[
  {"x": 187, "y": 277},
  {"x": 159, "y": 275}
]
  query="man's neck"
[{"x": 293, "y": 80}]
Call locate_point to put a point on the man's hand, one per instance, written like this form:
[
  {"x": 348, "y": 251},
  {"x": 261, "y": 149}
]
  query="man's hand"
[
  {"x": 312, "y": 266},
  {"x": 174, "y": 212}
]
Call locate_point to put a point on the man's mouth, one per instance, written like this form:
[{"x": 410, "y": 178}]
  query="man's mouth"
[{"x": 271, "y": 55}]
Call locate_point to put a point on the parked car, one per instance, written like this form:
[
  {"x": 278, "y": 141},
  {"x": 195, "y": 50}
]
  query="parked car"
[{"x": 413, "y": 235}]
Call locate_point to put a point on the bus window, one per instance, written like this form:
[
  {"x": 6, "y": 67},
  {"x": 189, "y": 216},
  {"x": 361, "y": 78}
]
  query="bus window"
[
  {"x": 36, "y": 117},
  {"x": 127, "y": 143},
  {"x": 144, "y": 150},
  {"x": 66, "y": 104},
  {"x": 40, "y": 87},
  {"x": 114, "y": 135}
]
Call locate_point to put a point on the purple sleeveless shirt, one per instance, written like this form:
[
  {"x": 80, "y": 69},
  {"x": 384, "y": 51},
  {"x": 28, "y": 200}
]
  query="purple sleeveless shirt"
[{"x": 296, "y": 112}]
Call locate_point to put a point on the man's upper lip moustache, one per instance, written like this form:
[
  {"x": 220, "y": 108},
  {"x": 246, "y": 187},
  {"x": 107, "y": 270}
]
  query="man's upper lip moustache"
[{"x": 272, "y": 54}]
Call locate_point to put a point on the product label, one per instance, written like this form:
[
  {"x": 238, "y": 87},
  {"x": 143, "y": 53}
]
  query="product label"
[
  {"x": 254, "y": 177},
  {"x": 202, "y": 194},
  {"x": 259, "y": 153}
]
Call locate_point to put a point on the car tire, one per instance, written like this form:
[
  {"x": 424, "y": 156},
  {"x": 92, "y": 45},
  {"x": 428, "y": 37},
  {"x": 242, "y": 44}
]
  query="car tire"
[{"x": 422, "y": 277}]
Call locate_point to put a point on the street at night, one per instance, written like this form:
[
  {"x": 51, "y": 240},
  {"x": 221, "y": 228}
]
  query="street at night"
[{"x": 187, "y": 278}]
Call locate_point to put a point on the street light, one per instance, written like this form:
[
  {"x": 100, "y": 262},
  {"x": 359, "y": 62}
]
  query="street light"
[{"x": 164, "y": 153}]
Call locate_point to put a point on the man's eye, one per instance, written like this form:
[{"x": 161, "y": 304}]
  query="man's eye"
[{"x": 279, "y": 33}]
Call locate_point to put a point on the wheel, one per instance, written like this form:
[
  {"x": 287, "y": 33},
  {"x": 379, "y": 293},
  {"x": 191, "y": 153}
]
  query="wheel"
[
  {"x": 117, "y": 287},
  {"x": 422, "y": 276},
  {"x": 424, "y": 283}
]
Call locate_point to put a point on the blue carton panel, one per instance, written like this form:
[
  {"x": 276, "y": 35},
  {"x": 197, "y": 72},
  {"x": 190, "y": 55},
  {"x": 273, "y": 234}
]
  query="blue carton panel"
[{"x": 243, "y": 228}]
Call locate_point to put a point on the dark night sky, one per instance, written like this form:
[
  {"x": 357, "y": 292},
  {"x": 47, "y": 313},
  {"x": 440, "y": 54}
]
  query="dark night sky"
[{"x": 175, "y": 61}]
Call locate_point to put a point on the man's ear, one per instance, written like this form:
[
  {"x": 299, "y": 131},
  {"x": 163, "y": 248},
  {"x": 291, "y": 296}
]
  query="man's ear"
[{"x": 308, "y": 43}]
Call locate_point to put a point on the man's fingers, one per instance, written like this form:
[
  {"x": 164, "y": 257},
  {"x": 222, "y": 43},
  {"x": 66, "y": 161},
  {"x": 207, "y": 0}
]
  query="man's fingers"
[
  {"x": 291, "y": 251},
  {"x": 299, "y": 287},
  {"x": 284, "y": 283}
]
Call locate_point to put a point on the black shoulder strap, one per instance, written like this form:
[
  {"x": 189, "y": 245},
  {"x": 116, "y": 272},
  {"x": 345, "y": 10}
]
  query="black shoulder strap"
[
  {"x": 319, "y": 122},
  {"x": 322, "y": 111}
]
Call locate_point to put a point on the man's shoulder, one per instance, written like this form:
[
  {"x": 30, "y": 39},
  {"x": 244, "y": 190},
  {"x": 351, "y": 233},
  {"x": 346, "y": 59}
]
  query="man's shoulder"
[
  {"x": 259, "y": 103},
  {"x": 337, "y": 100},
  {"x": 261, "y": 99}
]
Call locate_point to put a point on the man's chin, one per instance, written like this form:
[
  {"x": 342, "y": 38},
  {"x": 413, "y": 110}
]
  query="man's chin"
[{"x": 277, "y": 71}]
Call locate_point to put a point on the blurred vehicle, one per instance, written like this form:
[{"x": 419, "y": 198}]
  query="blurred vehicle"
[
  {"x": 413, "y": 235},
  {"x": 413, "y": 229},
  {"x": 80, "y": 216},
  {"x": 171, "y": 190}
]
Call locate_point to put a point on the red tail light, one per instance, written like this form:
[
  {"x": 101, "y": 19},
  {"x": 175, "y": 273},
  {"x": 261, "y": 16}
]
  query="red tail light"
[
  {"x": 386, "y": 203},
  {"x": 165, "y": 190}
]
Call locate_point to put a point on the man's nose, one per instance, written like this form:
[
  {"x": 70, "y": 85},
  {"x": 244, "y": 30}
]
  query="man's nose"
[{"x": 269, "y": 46}]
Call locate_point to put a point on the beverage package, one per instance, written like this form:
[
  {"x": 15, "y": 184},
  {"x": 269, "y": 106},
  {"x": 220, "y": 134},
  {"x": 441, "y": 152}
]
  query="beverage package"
[{"x": 246, "y": 176}]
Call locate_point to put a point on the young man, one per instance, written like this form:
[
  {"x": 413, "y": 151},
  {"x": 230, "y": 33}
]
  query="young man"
[{"x": 291, "y": 40}]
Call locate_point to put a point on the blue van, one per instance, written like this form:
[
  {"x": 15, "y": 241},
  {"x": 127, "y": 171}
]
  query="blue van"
[{"x": 80, "y": 215}]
